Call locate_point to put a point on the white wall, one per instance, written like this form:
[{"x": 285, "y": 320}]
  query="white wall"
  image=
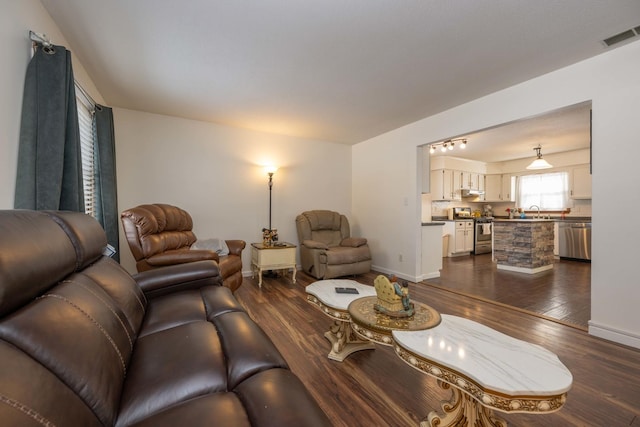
[
  {"x": 215, "y": 173},
  {"x": 16, "y": 19},
  {"x": 611, "y": 81}
]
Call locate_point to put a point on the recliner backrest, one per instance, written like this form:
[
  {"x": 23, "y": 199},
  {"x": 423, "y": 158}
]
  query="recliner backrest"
[
  {"x": 155, "y": 228},
  {"x": 323, "y": 226}
]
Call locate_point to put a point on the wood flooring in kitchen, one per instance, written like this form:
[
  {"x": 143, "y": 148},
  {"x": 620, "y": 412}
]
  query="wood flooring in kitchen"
[{"x": 562, "y": 294}]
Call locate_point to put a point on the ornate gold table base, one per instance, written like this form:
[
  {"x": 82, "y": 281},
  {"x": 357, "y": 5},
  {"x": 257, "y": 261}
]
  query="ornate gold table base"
[
  {"x": 462, "y": 410},
  {"x": 344, "y": 341}
]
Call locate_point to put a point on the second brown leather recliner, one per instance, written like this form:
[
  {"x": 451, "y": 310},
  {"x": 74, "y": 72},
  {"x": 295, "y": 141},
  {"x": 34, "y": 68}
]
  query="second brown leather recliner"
[
  {"x": 327, "y": 249},
  {"x": 161, "y": 234}
]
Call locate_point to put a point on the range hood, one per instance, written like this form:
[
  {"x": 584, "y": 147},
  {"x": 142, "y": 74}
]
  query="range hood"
[{"x": 472, "y": 193}]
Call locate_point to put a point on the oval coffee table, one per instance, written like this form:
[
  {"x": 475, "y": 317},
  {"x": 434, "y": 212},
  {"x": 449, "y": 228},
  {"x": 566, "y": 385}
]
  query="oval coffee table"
[{"x": 486, "y": 371}]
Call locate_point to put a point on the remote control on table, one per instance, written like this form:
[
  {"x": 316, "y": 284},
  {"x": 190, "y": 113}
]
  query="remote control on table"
[{"x": 347, "y": 290}]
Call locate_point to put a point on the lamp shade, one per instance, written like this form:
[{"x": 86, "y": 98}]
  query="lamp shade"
[{"x": 539, "y": 163}]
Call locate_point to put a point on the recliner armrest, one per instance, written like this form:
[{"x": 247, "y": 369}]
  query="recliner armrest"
[
  {"x": 236, "y": 246},
  {"x": 353, "y": 242},
  {"x": 314, "y": 244},
  {"x": 182, "y": 256},
  {"x": 179, "y": 277}
]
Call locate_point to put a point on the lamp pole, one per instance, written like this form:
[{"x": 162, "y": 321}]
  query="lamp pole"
[{"x": 270, "y": 187}]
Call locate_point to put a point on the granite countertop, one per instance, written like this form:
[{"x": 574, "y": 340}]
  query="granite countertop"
[
  {"x": 426, "y": 224},
  {"x": 523, "y": 220}
]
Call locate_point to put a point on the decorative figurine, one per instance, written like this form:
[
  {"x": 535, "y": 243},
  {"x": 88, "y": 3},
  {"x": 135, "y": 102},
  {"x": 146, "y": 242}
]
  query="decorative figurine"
[
  {"x": 269, "y": 236},
  {"x": 393, "y": 297}
]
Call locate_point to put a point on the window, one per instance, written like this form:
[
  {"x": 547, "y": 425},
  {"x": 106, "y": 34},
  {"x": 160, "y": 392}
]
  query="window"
[
  {"x": 549, "y": 191},
  {"x": 87, "y": 126}
]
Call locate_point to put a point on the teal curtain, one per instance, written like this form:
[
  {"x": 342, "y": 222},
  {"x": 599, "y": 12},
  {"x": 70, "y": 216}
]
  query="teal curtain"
[
  {"x": 49, "y": 175},
  {"x": 107, "y": 195}
]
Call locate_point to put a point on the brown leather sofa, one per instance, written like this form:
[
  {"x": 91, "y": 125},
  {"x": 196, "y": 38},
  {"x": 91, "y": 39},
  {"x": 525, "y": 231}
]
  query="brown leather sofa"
[
  {"x": 83, "y": 343},
  {"x": 160, "y": 235},
  {"x": 327, "y": 249}
]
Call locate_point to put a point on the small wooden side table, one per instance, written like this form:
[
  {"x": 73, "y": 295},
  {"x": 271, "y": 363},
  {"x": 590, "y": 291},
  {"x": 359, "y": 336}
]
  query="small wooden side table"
[{"x": 280, "y": 257}]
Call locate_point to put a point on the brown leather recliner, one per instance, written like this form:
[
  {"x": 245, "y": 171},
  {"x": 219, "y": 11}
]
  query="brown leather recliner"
[
  {"x": 160, "y": 235},
  {"x": 327, "y": 249}
]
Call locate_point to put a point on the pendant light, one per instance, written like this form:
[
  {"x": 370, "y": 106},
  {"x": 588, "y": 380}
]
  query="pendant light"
[{"x": 539, "y": 163}]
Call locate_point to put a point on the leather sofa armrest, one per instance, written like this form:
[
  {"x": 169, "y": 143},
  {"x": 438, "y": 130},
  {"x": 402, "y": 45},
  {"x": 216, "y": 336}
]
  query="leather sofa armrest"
[
  {"x": 313, "y": 244},
  {"x": 353, "y": 242},
  {"x": 179, "y": 277},
  {"x": 181, "y": 256},
  {"x": 236, "y": 246}
]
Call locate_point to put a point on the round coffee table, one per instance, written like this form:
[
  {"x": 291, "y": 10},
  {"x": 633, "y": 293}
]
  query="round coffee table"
[
  {"x": 377, "y": 327},
  {"x": 322, "y": 295}
]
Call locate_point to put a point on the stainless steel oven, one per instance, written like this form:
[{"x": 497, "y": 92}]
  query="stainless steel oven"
[{"x": 482, "y": 235}]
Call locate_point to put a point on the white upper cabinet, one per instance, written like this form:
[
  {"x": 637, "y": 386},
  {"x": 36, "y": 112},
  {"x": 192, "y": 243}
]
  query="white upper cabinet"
[
  {"x": 493, "y": 188},
  {"x": 500, "y": 188},
  {"x": 445, "y": 184},
  {"x": 581, "y": 182},
  {"x": 470, "y": 180}
]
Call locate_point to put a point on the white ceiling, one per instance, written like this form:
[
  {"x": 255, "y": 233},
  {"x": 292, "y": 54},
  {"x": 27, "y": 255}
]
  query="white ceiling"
[
  {"x": 333, "y": 70},
  {"x": 562, "y": 130}
]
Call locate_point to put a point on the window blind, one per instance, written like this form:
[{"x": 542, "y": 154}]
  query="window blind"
[{"x": 87, "y": 127}]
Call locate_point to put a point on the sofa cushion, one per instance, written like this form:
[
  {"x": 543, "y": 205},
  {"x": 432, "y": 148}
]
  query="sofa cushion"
[
  {"x": 217, "y": 409},
  {"x": 170, "y": 367},
  {"x": 34, "y": 396},
  {"x": 208, "y": 341},
  {"x": 33, "y": 250},
  {"x": 76, "y": 331}
]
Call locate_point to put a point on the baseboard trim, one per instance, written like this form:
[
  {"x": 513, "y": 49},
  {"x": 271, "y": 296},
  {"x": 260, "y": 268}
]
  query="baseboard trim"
[
  {"x": 612, "y": 334},
  {"x": 414, "y": 279},
  {"x": 524, "y": 269}
]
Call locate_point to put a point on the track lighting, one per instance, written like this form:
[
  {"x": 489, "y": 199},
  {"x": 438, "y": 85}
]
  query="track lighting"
[{"x": 448, "y": 145}]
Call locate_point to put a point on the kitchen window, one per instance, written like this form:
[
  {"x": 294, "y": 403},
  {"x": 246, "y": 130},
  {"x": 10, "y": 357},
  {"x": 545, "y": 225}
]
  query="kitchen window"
[{"x": 549, "y": 191}]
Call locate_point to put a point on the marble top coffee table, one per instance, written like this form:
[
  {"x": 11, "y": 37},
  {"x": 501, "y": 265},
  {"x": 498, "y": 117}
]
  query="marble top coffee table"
[
  {"x": 322, "y": 295},
  {"x": 488, "y": 371}
]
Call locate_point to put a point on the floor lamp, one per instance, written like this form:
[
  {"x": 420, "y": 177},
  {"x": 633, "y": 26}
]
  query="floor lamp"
[{"x": 270, "y": 235}]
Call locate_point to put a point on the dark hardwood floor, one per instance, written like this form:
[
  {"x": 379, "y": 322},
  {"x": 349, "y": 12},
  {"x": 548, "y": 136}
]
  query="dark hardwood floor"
[
  {"x": 563, "y": 293},
  {"x": 375, "y": 388}
]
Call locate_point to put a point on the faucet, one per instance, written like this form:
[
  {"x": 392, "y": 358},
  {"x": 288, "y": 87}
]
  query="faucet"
[{"x": 538, "y": 208}]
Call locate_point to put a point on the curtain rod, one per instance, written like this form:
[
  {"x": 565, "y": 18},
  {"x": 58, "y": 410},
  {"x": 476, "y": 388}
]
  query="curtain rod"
[
  {"x": 40, "y": 38},
  {"x": 46, "y": 43},
  {"x": 84, "y": 93}
]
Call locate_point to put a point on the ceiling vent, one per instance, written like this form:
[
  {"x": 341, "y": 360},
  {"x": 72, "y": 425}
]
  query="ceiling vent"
[{"x": 625, "y": 35}]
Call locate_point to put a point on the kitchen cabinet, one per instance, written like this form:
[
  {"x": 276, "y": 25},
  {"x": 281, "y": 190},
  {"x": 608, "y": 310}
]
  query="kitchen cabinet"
[
  {"x": 508, "y": 188},
  {"x": 500, "y": 188},
  {"x": 445, "y": 184},
  {"x": 463, "y": 241},
  {"x": 581, "y": 182},
  {"x": 493, "y": 188},
  {"x": 482, "y": 186},
  {"x": 469, "y": 181}
]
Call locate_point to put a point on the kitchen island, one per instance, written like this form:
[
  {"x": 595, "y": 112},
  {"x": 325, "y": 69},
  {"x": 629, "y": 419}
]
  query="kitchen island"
[{"x": 523, "y": 245}]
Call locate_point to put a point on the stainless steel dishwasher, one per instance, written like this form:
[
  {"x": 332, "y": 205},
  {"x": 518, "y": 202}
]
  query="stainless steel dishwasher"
[{"x": 574, "y": 239}]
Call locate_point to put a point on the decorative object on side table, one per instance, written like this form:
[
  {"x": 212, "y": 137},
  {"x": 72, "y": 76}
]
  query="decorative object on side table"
[
  {"x": 393, "y": 297},
  {"x": 269, "y": 236}
]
